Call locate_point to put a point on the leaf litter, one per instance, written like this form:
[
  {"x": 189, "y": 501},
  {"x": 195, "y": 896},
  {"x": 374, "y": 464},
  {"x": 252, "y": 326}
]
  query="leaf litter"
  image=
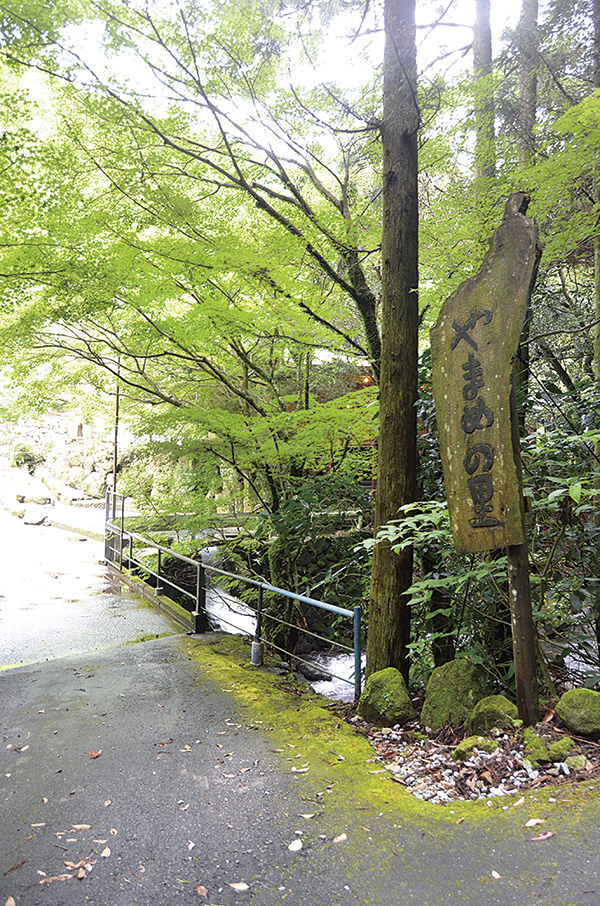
[{"x": 424, "y": 765}]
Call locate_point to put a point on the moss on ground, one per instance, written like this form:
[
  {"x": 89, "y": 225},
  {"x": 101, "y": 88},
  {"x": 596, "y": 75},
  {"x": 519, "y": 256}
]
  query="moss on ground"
[{"x": 340, "y": 760}]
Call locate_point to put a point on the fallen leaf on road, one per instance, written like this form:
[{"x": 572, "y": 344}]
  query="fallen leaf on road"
[
  {"x": 308, "y": 815},
  {"x": 45, "y": 881},
  {"x": 43, "y": 824},
  {"x": 184, "y": 808},
  {"x": 114, "y": 831},
  {"x": 81, "y": 826},
  {"x": 105, "y": 853},
  {"x": 295, "y": 846},
  {"x": 340, "y": 838},
  {"x": 16, "y": 865},
  {"x": 95, "y": 754},
  {"x": 240, "y": 886},
  {"x": 542, "y": 837},
  {"x": 107, "y": 803},
  {"x": 201, "y": 890},
  {"x": 495, "y": 875},
  {"x": 10, "y": 902},
  {"x": 533, "y": 821}
]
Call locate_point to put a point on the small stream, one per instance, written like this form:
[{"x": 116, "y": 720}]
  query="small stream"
[{"x": 227, "y": 613}]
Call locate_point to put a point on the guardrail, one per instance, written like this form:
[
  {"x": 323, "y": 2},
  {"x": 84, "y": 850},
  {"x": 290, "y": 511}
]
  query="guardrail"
[{"x": 121, "y": 550}]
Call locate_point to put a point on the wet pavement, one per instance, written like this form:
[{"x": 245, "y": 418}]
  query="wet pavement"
[
  {"x": 130, "y": 776},
  {"x": 57, "y": 597}
]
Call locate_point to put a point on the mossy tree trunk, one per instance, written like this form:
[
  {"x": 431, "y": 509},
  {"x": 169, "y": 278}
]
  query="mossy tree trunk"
[{"x": 389, "y": 613}]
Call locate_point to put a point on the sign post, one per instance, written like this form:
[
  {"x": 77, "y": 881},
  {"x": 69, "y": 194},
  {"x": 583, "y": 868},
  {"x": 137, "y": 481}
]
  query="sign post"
[{"x": 474, "y": 344}]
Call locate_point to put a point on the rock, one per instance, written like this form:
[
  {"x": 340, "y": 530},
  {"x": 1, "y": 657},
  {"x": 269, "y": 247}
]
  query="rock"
[
  {"x": 76, "y": 477},
  {"x": 576, "y": 762},
  {"x": 579, "y": 709},
  {"x": 465, "y": 748},
  {"x": 493, "y": 711},
  {"x": 536, "y": 750},
  {"x": 385, "y": 700},
  {"x": 34, "y": 516},
  {"x": 95, "y": 485},
  {"x": 452, "y": 692},
  {"x": 311, "y": 672},
  {"x": 560, "y": 748}
]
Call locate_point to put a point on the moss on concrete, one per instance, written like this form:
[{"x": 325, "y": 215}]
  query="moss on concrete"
[
  {"x": 385, "y": 699},
  {"x": 452, "y": 692},
  {"x": 493, "y": 711},
  {"x": 580, "y": 711},
  {"x": 342, "y": 768}
]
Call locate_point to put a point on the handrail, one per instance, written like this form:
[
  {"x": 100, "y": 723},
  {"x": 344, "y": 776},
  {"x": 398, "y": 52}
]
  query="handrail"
[{"x": 115, "y": 531}]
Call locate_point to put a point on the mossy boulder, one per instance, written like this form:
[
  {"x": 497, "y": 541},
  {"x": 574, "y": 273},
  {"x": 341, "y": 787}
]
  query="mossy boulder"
[
  {"x": 493, "y": 711},
  {"x": 560, "y": 748},
  {"x": 452, "y": 692},
  {"x": 465, "y": 749},
  {"x": 579, "y": 709},
  {"x": 385, "y": 700},
  {"x": 536, "y": 750}
]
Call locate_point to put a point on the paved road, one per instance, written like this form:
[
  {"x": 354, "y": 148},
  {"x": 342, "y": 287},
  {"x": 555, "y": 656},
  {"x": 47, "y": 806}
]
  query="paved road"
[
  {"x": 132, "y": 761},
  {"x": 57, "y": 597}
]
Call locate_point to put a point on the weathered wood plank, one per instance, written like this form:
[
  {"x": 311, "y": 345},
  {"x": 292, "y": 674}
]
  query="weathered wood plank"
[{"x": 474, "y": 344}]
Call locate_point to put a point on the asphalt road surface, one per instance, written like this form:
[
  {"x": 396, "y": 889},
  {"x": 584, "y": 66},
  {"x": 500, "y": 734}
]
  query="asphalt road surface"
[{"x": 129, "y": 777}]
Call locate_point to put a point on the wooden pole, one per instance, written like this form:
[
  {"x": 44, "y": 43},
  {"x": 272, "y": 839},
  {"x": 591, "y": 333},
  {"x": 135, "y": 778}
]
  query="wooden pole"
[
  {"x": 523, "y": 636},
  {"x": 519, "y": 591}
]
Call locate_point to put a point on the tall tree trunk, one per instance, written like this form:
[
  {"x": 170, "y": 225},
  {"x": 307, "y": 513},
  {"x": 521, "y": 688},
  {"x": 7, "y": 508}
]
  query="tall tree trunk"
[
  {"x": 389, "y": 613},
  {"x": 596, "y": 14},
  {"x": 528, "y": 61},
  {"x": 485, "y": 138}
]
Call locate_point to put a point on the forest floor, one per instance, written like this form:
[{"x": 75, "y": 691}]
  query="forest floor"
[{"x": 423, "y": 763}]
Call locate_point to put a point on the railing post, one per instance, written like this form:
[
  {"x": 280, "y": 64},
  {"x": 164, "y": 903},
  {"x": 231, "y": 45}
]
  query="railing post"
[
  {"x": 258, "y": 647},
  {"x": 106, "y": 535},
  {"x": 357, "y": 654},
  {"x": 122, "y": 533},
  {"x": 158, "y": 590},
  {"x": 199, "y": 614}
]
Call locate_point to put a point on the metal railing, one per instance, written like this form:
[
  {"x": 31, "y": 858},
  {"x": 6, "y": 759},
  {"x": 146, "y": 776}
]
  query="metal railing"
[{"x": 121, "y": 549}]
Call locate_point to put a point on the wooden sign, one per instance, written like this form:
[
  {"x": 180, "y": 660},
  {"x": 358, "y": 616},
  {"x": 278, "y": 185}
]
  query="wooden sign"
[{"x": 473, "y": 345}]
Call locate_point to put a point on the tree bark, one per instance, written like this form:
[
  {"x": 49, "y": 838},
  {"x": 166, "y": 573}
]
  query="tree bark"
[
  {"x": 528, "y": 53},
  {"x": 389, "y": 613},
  {"x": 485, "y": 138},
  {"x": 596, "y": 360}
]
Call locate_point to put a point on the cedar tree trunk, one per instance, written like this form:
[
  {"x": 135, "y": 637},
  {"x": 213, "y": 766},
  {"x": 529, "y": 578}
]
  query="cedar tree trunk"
[{"x": 389, "y": 614}]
